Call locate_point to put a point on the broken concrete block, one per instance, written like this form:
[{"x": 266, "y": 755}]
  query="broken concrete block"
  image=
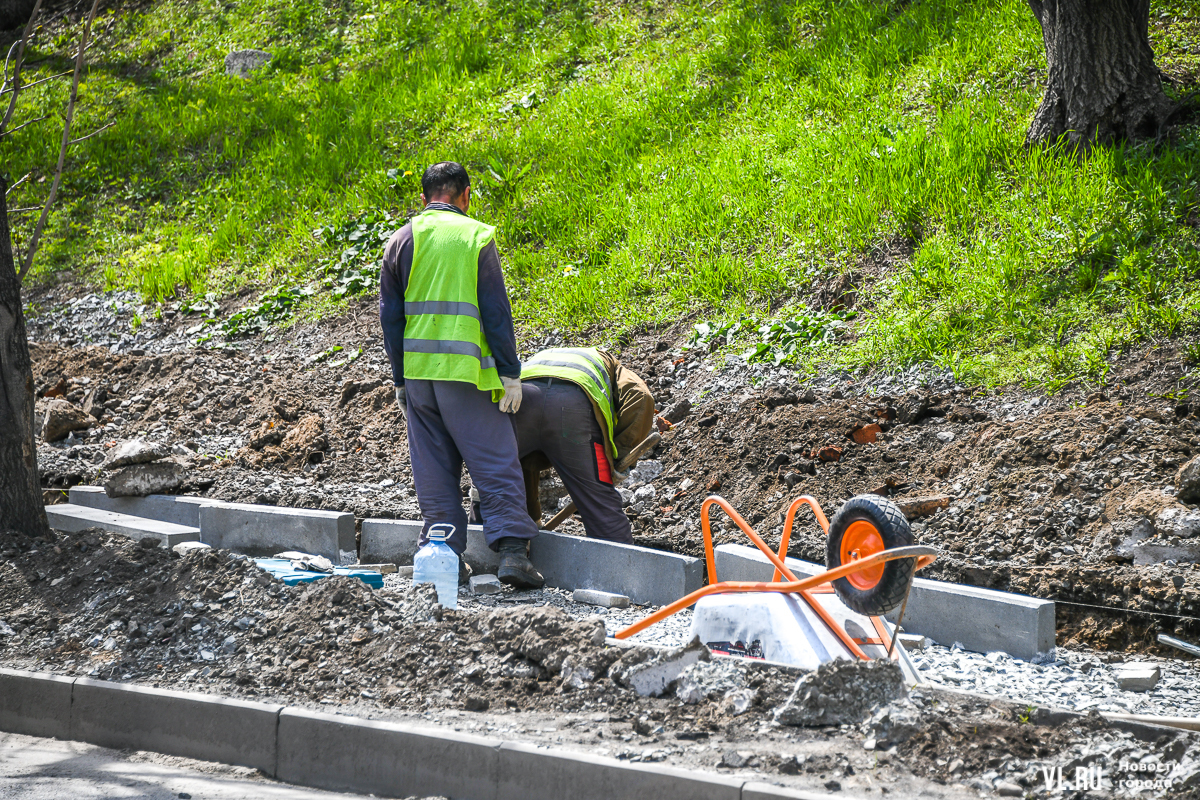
[
  {"x": 594, "y": 597},
  {"x": 135, "y": 452},
  {"x": 486, "y": 584},
  {"x": 404, "y": 571},
  {"x": 913, "y": 641},
  {"x": 651, "y": 672},
  {"x": 842, "y": 692},
  {"x": 139, "y": 480},
  {"x": 1137, "y": 677},
  {"x": 183, "y": 548},
  {"x": 62, "y": 417}
]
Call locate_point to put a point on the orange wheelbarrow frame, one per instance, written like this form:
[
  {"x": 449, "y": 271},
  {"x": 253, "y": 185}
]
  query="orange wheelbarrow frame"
[{"x": 806, "y": 588}]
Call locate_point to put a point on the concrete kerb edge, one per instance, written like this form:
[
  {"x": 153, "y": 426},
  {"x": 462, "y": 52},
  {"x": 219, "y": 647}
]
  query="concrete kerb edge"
[{"x": 692, "y": 784}]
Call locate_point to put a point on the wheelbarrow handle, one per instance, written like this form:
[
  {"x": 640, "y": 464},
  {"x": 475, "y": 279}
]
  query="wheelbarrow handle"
[{"x": 643, "y": 447}]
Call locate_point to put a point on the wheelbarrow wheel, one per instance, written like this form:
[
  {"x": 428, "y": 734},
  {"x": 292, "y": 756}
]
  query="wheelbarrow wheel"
[{"x": 863, "y": 526}]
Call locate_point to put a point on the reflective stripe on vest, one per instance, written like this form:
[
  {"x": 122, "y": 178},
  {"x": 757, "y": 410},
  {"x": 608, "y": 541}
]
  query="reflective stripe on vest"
[
  {"x": 443, "y": 336},
  {"x": 584, "y": 367}
]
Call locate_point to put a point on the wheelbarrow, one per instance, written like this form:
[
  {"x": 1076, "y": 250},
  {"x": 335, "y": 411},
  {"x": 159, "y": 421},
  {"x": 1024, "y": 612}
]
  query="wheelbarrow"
[{"x": 870, "y": 561}]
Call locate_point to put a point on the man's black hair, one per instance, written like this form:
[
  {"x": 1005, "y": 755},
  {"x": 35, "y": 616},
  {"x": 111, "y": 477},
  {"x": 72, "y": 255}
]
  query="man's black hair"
[{"x": 445, "y": 178}]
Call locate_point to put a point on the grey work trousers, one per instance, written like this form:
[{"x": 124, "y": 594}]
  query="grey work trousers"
[
  {"x": 449, "y": 423},
  {"x": 556, "y": 417}
]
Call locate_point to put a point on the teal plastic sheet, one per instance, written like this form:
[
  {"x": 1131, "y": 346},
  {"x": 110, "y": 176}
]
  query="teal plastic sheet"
[{"x": 281, "y": 569}]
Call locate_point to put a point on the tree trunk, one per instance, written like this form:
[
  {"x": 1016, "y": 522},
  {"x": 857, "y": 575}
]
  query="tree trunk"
[
  {"x": 1101, "y": 83},
  {"x": 20, "y": 493}
]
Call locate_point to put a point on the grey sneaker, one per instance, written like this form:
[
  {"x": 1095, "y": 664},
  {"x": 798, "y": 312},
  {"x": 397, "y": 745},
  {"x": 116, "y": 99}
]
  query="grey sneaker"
[{"x": 515, "y": 567}]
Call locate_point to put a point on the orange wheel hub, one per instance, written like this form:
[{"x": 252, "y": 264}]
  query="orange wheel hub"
[{"x": 860, "y": 540}]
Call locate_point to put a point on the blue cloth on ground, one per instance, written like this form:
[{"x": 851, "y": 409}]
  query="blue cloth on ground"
[{"x": 281, "y": 569}]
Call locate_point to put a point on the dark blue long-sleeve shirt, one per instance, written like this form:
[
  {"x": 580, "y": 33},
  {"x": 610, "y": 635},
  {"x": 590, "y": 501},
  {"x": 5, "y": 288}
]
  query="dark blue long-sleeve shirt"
[{"x": 495, "y": 312}]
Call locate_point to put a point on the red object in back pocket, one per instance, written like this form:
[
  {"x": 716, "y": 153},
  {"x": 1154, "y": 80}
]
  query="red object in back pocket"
[{"x": 602, "y": 470}]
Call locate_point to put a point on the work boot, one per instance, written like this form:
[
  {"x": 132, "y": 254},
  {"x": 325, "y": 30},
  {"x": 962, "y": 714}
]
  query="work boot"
[
  {"x": 515, "y": 567},
  {"x": 464, "y": 572}
]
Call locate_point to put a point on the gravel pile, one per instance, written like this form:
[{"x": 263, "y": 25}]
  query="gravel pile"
[{"x": 1076, "y": 681}]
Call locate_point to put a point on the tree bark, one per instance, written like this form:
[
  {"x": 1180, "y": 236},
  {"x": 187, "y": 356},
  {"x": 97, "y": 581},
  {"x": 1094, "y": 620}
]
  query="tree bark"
[
  {"x": 21, "y": 506},
  {"x": 1102, "y": 84}
]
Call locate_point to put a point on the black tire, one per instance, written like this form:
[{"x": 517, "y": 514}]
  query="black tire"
[{"x": 894, "y": 530}]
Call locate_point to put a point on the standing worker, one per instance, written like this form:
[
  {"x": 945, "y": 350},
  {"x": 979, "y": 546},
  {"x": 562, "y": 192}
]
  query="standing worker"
[
  {"x": 582, "y": 412},
  {"x": 448, "y": 331}
]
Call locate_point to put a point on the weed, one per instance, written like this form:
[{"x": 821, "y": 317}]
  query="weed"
[{"x": 641, "y": 162}]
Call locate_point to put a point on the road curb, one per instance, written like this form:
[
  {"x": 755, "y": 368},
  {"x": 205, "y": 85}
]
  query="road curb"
[{"x": 331, "y": 751}]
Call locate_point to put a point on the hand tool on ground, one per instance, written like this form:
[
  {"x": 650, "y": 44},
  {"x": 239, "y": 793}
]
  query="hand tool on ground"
[{"x": 643, "y": 447}]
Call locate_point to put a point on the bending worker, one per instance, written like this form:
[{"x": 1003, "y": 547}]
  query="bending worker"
[
  {"x": 448, "y": 331},
  {"x": 582, "y": 412}
]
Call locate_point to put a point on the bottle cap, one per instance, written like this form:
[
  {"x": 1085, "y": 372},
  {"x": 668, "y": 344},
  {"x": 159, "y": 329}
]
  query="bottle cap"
[{"x": 440, "y": 532}]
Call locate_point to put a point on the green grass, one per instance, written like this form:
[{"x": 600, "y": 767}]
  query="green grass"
[{"x": 643, "y": 161}]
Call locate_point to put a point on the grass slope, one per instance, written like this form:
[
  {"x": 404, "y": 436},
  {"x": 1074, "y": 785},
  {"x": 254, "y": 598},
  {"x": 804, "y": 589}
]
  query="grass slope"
[{"x": 643, "y": 161}]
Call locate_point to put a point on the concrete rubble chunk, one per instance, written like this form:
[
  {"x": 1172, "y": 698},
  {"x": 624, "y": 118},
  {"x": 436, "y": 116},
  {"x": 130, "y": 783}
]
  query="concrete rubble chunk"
[
  {"x": 383, "y": 569},
  {"x": 243, "y": 63},
  {"x": 62, "y": 417},
  {"x": 137, "y": 451},
  {"x": 1137, "y": 677},
  {"x": 594, "y": 597},
  {"x": 1187, "y": 482},
  {"x": 184, "y": 548},
  {"x": 842, "y": 692},
  {"x": 913, "y": 641},
  {"x": 486, "y": 584},
  {"x": 140, "y": 480},
  {"x": 651, "y": 672},
  {"x": 713, "y": 678}
]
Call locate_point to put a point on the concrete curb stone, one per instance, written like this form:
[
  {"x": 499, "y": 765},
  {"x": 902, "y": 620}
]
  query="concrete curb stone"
[
  {"x": 983, "y": 620},
  {"x": 567, "y": 562},
  {"x": 177, "y": 509},
  {"x": 389, "y": 759},
  {"x": 265, "y": 530},
  {"x": 185, "y": 724},
  {"x": 35, "y": 704},
  {"x": 72, "y": 518}
]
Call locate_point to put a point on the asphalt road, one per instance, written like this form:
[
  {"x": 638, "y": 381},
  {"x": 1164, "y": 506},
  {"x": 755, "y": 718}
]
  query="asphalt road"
[{"x": 48, "y": 769}]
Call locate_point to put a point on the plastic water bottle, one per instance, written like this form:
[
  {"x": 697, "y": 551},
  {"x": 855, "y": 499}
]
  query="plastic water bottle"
[{"x": 436, "y": 563}]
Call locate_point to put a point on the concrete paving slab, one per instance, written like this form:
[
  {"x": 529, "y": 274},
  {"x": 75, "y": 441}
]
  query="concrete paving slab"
[
  {"x": 982, "y": 620},
  {"x": 71, "y": 518},
  {"x": 567, "y": 562},
  {"x": 185, "y": 724},
  {"x": 178, "y": 509},
  {"x": 35, "y": 703},
  {"x": 266, "y": 530},
  {"x": 388, "y": 759}
]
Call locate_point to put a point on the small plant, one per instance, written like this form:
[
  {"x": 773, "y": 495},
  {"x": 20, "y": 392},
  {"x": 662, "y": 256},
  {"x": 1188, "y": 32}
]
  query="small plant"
[
  {"x": 1027, "y": 715},
  {"x": 707, "y": 336},
  {"x": 1191, "y": 353},
  {"x": 784, "y": 340},
  {"x": 356, "y": 269}
]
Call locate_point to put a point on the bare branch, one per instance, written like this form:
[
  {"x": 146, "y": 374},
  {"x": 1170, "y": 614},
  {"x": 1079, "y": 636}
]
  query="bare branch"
[
  {"x": 35, "y": 83},
  {"x": 23, "y": 210},
  {"x": 31, "y": 250},
  {"x": 21, "y": 180},
  {"x": 16, "y": 81},
  {"x": 24, "y": 124},
  {"x": 93, "y": 133}
]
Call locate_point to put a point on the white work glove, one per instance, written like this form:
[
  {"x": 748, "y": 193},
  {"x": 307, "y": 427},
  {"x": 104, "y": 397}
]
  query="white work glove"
[
  {"x": 401, "y": 400},
  {"x": 511, "y": 402}
]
